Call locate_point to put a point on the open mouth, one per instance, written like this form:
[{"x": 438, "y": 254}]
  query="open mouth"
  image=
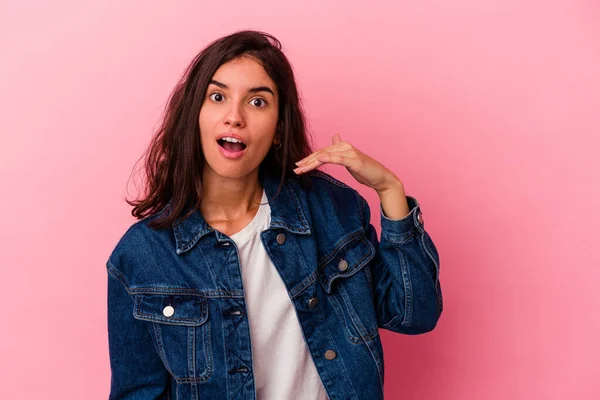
[{"x": 231, "y": 144}]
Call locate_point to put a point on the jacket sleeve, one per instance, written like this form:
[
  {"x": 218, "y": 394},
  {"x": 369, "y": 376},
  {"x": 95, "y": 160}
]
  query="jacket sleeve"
[
  {"x": 404, "y": 272},
  {"x": 136, "y": 370}
]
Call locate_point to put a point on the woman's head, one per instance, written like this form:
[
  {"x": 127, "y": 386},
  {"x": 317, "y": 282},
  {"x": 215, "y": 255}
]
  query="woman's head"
[
  {"x": 238, "y": 118},
  {"x": 224, "y": 91}
]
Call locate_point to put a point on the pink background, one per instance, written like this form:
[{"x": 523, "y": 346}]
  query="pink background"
[{"x": 489, "y": 111}]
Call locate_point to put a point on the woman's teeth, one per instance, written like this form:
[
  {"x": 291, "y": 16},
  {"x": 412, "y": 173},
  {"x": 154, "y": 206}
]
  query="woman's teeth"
[{"x": 232, "y": 140}]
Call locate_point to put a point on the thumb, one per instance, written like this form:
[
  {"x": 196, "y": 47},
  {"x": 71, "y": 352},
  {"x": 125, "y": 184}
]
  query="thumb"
[{"x": 336, "y": 138}]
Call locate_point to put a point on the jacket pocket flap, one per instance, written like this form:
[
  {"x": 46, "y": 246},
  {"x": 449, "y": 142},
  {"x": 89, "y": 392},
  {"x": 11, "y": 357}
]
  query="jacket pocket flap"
[
  {"x": 171, "y": 309},
  {"x": 345, "y": 261}
]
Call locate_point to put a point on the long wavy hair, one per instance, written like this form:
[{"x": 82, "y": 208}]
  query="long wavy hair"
[{"x": 174, "y": 160}]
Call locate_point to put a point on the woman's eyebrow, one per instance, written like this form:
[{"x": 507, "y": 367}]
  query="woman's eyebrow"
[{"x": 251, "y": 90}]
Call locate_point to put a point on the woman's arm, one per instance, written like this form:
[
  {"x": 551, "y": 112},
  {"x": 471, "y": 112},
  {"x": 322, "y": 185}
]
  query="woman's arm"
[
  {"x": 405, "y": 269},
  {"x": 137, "y": 373},
  {"x": 405, "y": 272}
]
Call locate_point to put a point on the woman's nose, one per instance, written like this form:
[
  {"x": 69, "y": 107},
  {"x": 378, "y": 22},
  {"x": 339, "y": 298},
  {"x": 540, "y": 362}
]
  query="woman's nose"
[{"x": 234, "y": 117}]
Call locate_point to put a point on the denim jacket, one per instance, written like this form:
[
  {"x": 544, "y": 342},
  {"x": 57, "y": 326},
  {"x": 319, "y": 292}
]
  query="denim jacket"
[{"x": 177, "y": 324}]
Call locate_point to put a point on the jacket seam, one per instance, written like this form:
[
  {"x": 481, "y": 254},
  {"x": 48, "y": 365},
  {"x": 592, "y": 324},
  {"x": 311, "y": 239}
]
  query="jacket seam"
[
  {"x": 407, "y": 284},
  {"x": 340, "y": 244},
  {"x": 362, "y": 330},
  {"x": 112, "y": 270},
  {"x": 161, "y": 349},
  {"x": 351, "y": 271},
  {"x": 392, "y": 239}
]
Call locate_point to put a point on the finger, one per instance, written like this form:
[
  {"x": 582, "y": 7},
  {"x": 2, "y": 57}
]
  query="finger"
[
  {"x": 340, "y": 146},
  {"x": 344, "y": 148},
  {"x": 347, "y": 158},
  {"x": 312, "y": 156},
  {"x": 308, "y": 167},
  {"x": 336, "y": 139},
  {"x": 339, "y": 158},
  {"x": 313, "y": 162}
]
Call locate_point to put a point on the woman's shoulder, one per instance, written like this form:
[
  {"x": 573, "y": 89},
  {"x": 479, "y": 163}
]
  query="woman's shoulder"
[
  {"x": 324, "y": 180},
  {"x": 331, "y": 201},
  {"x": 137, "y": 242},
  {"x": 326, "y": 187}
]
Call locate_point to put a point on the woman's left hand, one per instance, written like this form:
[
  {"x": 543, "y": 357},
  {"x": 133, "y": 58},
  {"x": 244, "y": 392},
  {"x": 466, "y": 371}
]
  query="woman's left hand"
[{"x": 363, "y": 168}]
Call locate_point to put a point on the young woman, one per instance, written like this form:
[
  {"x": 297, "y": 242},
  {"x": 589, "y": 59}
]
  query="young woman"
[{"x": 252, "y": 274}]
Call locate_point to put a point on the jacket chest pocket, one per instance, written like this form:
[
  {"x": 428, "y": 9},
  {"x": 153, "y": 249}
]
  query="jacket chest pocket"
[
  {"x": 180, "y": 329},
  {"x": 345, "y": 275}
]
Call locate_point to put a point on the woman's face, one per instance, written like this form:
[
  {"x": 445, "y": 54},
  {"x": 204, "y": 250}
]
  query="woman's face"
[{"x": 241, "y": 104}]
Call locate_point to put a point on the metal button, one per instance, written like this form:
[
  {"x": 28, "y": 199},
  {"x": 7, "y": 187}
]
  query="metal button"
[
  {"x": 343, "y": 265},
  {"x": 168, "y": 311},
  {"x": 312, "y": 303},
  {"x": 281, "y": 238},
  {"x": 236, "y": 312},
  {"x": 330, "y": 354},
  {"x": 420, "y": 218},
  {"x": 225, "y": 244}
]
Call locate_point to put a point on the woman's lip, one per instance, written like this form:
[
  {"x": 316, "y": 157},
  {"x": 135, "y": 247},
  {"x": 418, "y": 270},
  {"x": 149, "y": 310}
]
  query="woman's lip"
[{"x": 231, "y": 135}]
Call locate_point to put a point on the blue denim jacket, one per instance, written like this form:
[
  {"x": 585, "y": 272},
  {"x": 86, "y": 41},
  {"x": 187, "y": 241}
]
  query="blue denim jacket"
[{"x": 177, "y": 326}]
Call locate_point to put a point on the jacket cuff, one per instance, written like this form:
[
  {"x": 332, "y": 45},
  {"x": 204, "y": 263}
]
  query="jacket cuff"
[{"x": 399, "y": 230}]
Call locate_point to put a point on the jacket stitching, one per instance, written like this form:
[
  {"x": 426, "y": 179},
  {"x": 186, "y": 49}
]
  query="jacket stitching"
[
  {"x": 190, "y": 292},
  {"x": 351, "y": 271},
  {"x": 437, "y": 270},
  {"x": 398, "y": 241},
  {"x": 338, "y": 310},
  {"x": 370, "y": 347},
  {"x": 354, "y": 339},
  {"x": 208, "y": 355},
  {"x": 406, "y": 282},
  {"x": 342, "y": 361},
  {"x": 199, "y": 321},
  {"x": 161, "y": 349},
  {"x": 331, "y": 179},
  {"x": 117, "y": 275},
  {"x": 338, "y": 246},
  {"x": 362, "y": 331},
  {"x": 303, "y": 285}
]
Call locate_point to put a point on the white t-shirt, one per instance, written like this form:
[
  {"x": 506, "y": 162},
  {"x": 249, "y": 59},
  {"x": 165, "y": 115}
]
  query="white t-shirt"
[{"x": 283, "y": 366}]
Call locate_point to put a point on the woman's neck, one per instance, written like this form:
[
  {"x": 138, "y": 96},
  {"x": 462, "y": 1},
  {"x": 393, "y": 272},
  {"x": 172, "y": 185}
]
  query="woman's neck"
[{"x": 229, "y": 199}]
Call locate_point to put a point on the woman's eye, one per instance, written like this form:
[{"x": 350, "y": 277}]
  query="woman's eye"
[
  {"x": 258, "y": 103},
  {"x": 216, "y": 97}
]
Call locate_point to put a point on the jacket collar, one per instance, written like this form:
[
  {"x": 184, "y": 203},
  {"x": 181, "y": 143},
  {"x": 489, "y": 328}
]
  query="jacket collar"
[{"x": 287, "y": 213}]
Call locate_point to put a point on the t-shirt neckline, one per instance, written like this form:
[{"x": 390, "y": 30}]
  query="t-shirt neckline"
[{"x": 261, "y": 215}]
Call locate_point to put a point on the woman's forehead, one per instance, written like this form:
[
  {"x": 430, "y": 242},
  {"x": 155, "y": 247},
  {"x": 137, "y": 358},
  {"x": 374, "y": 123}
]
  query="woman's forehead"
[{"x": 243, "y": 73}]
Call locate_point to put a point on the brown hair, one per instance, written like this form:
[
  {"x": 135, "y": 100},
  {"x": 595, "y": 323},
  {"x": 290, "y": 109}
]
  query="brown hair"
[{"x": 174, "y": 159}]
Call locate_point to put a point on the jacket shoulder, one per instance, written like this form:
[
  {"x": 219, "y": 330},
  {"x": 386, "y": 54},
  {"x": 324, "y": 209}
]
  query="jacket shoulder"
[
  {"x": 135, "y": 246},
  {"x": 326, "y": 181},
  {"x": 338, "y": 202}
]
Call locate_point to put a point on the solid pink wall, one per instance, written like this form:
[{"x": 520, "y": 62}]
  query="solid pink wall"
[{"x": 487, "y": 110}]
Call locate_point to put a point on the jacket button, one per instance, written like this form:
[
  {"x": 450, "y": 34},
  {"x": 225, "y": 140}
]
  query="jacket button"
[
  {"x": 312, "y": 303},
  {"x": 343, "y": 265},
  {"x": 420, "y": 218},
  {"x": 281, "y": 238},
  {"x": 168, "y": 311},
  {"x": 330, "y": 354}
]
